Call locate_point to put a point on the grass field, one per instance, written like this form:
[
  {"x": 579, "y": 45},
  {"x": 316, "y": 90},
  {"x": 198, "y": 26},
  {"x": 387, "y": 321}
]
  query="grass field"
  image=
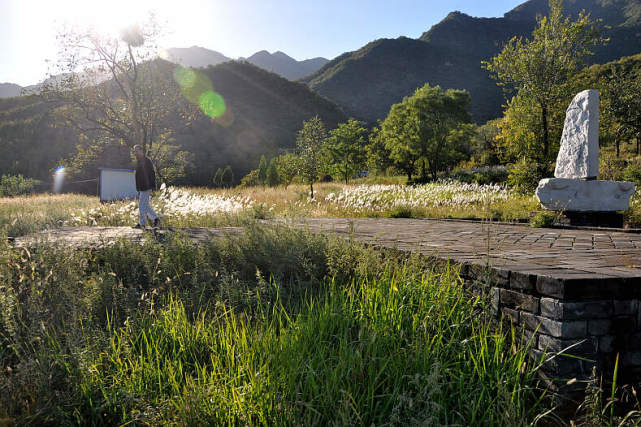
[
  {"x": 205, "y": 207},
  {"x": 272, "y": 327}
]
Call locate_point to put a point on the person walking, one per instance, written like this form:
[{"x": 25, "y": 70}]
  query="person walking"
[{"x": 145, "y": 183}]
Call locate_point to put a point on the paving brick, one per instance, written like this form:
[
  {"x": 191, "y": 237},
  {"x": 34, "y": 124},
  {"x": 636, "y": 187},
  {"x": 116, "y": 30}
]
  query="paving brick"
[
  {"x": 555, "y": 328},
  {"x": 559, "y": 310},
  {"x": 631, "y": 358},
  {"x": 513, "y": 315},
  {"x": 495, "y": 300},
  {"x": 519, "y": 301},
  {"x": 500, "y": 277},
  {"x": 599, "y": 327},
  {"x": 606, "y": 344},
  {"x": 577, "y": 347},
  {"x": 550, "y": 286},
  {"x": 523, "y": 281},
  {"x": 626, "y": 307},
  {"x": 566, "y": 367}
]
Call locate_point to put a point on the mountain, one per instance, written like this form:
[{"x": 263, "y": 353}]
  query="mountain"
[
  {"x": 8, "y": 90},
  {"x": 263, "y": 115},
  {"x": 265, "y": 112},
  {"x": 277, "y": 62},
  {"x": 366, "y": 82},
  {"x": 285, "y": 65},
  {"x": 195, "y": 56}
]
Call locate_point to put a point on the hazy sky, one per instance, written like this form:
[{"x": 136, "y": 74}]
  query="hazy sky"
[{"x": 302, "y": 29}]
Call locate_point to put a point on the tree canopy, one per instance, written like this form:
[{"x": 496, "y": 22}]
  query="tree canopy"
[
  {"x": 347, "y": 149},
  {"x": 113, "y": 87},
  {"x": 311, "y": 145},
  {"x": 417, "y": 131},
  {"x": 539, "y": 68}
]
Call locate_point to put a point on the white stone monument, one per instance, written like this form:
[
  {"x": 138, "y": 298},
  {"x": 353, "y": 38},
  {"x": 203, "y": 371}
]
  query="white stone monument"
[{"x": 575, "y": 187}]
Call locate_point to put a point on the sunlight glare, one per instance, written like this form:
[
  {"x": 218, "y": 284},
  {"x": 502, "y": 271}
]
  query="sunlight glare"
[
  {"x": 111, "y": 17},
  {"x": 58, "y": 179}
]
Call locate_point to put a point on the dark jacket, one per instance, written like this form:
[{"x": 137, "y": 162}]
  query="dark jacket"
[{"x": 145, "y": 175}]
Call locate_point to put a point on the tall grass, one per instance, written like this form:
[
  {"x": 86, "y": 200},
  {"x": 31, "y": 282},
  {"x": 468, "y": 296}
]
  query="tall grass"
[
  {"x": 29, "y": 214},
  {"x": 275, "y": 326},
  {"x": 211, "y": 208}
]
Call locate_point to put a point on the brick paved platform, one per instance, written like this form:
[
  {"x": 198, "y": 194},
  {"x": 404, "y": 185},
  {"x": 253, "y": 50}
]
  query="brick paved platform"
[
  {"x": 576, "y": 292},
  {"x": 571, "y": 256}
]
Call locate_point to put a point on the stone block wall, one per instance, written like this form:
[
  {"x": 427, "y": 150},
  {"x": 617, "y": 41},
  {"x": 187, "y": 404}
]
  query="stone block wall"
[{"x": 592, "y": 318}]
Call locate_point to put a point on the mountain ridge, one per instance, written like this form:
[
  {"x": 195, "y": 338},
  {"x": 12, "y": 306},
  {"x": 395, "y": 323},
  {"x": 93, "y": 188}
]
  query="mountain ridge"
[
  {"x": 277, "y": 62},
  {"x": 9, "y": 90},
  {"x": 451, "y": 57}
]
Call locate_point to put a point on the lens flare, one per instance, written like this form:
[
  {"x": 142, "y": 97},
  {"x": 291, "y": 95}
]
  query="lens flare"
[
  {"x": 226, "y": 119},
  {"x": 197, "y": 88},
  {"x": 212, "y": 104},
  {"x": 58, "y": 179},
  {"x": 185, "y": 77}
]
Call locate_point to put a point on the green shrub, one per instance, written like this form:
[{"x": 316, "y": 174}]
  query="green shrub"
[
  {"x": 525, "y": 175},
  {"x": 218, "y": 178},
  {"x": 250, "y": 180},
  {"x": 482, "y": 175},
  {"x": 400, "y": 212},
  {"x": 632, "y": 173},
  {"x": 610, "y": 167},
  {"x": 15, "y": 185},
  {"x": 543, "y": 219}
]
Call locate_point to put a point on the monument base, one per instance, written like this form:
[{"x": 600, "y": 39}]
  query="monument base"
[
  {"x": 576, "y": 195},
  {"x": 594, "y": 219}
]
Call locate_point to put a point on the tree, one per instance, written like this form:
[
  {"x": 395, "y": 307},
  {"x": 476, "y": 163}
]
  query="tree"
[
  {"x": 262, "y": 170},
  {"x": 171, "y": 162},
  {"x": 518, "y": 132},
  {"x": 227, "y": 177},
  {"x": 218, "y": 178},
  {"x": 115, "y": 89},
  {"x": 310, "y": 143},
  {"x": 288, "y": 166},
  {"x": 624, "y": 96},
  {"x": 378, "y": 157},
  {"x": 347, "y": 150},
  {"x": 540, "y": 68},
  {"x": 418, "y": 130},
  {"x": 271, "y": 175},
  {"x": 399, "y": 140},
  {"x": 250, "y": 180},
  {"x": 485, "y": 147}
]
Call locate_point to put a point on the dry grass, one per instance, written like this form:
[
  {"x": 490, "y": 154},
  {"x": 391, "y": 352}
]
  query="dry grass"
[{"x": 28, "y": 214}]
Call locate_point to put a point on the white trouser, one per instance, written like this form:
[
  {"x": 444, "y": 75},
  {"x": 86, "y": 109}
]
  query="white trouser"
[{"x": 144, "y": 207}]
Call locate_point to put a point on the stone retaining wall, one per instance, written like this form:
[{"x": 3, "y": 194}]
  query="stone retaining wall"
[{"x": 593, "y": 320}]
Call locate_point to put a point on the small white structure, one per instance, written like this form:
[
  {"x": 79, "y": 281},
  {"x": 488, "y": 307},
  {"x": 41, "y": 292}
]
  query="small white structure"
[
  {"x": 117, "y": 184},
  {"x": 575, "y": 187}
]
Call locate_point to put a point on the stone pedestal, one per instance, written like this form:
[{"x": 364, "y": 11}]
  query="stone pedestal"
[
  {"x": 584, "y": 196},
  {"x": 594, "y": 219}
]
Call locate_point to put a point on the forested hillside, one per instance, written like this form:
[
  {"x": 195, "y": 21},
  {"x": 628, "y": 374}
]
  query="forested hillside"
[
  {"x": 368, "y": 81},
  {"x": 266, "y": 112},
  {"x": 263, "y": 114}
]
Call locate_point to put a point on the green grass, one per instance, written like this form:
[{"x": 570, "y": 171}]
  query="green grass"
[{"x": 276, "y": 326}]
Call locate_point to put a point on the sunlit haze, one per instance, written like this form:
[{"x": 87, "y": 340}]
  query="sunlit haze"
[{"x": 302, "y": 29}]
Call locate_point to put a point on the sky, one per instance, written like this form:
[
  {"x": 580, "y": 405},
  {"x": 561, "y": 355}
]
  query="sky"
[{"x": 302, "y": 29}]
